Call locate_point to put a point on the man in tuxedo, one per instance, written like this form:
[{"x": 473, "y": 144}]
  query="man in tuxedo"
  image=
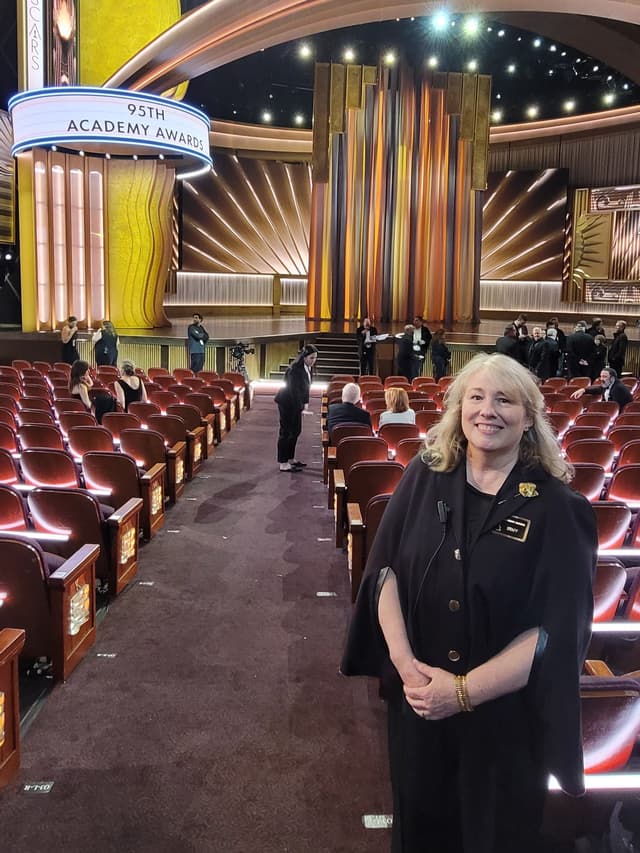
[
  {"x": 347, "y": 411},
  {"x": 410, "y": 360},
  {"x": 367, "y": 347},
  {"x": 421, "y": 337},
  {"x": 581, "y": 352},
  {"x": 618, "y": 348}
]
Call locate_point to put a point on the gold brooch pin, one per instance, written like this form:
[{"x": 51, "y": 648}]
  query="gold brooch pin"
[{"x": 528, "y": 490}]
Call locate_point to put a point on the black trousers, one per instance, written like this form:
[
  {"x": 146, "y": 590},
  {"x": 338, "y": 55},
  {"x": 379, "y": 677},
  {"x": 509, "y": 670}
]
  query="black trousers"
[
  {"x": 290, "y": 429},
  {"x": 368, "y": 361},
  {"x": 197, "y": 361}
]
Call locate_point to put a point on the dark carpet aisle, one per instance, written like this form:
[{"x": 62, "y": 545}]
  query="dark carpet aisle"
[{"x": 221, "y": 724}]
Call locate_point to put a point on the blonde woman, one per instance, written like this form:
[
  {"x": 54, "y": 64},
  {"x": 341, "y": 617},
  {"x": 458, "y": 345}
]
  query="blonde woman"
[
  {"x": 475, "y": 610},
  {"x": 398, "y": 411},
  {"x": 129, "y": 388}
]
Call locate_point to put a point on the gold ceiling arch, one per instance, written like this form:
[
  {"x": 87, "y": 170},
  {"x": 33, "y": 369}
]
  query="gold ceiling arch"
[{"x": 222, "y": 31}]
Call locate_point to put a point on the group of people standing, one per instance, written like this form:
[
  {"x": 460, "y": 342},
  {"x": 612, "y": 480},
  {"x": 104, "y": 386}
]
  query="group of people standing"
[
  {"x": 413, "y": 345},
  {"x": 548, "y": 351},
  {"x": 105, "y": 343}
]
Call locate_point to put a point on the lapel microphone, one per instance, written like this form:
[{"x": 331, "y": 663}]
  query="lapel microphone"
[{"x": 443, "y": 512}]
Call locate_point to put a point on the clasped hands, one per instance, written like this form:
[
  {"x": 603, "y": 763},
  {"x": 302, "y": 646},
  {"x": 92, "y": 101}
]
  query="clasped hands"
[{"x": 429, "y": 691}]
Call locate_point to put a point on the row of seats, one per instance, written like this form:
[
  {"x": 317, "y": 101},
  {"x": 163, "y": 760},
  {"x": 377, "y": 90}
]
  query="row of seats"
[{"x": 58, "y": 469}]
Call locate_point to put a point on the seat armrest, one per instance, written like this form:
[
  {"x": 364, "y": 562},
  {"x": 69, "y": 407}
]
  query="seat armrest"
[
  {"x": 125, "y": 512},
  {"x": 74, "y": 566},
  {"x": 354, "y": 517},
  {"x": 356, "y": 553},
  {"x": 339, "y": 505},
  {"x": 597, "y": 667},
  {"x": 152, "y": 473},
  {"x": 339, "y": 482},
  {"x": 11, "y": 643}
]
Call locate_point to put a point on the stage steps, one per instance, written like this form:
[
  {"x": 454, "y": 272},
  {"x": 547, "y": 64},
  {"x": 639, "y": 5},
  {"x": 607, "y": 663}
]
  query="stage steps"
[{"x": 336, "y": 354}]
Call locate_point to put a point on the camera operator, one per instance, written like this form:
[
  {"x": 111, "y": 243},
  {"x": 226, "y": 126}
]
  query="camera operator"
[{"x": 238, "y": 353}]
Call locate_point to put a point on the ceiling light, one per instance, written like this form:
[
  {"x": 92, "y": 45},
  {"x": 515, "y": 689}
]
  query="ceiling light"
[
  {"x": 496, "y": 116},
  {"x": 440, "y": 21},
  {"x": 596, "y": 68},
  {"x": 160, "y": 156},
  {"x": 266, "y": 116},
  {"x": 569, "y": 106},
  {"x": 564, "y": 53},
  {"x": 298, "y": 119},
  {"x": 498, "y": 96},
  {"x": 81, "y": 153},
  {"x": 609, "y": 98},
  {"x": 625, "y": 86},
  {"x": 609, "y": 78},
  {"x": 552, "y": 48},
  {"x": 532, "y": 111},
  {"x": 511, "y": 69},
  {"x": 54, "y": 147},
  {"x": 471, "y": 26},
  {"x": 349, "y": 55},
  {"x": 389, "y": 58},
  {"x": 537, "y": 42},
  {"x": 472, "y": 65},
  {"x": 412, "y": 18},
  {"x": 135, "y": 156},
  {"x": 304, "y": 51},
  {"x": 551, "y": 72},
  {"x": 432, "y": 62},
  {"x": 489, "y": 29},
  {"x": 500, "y": 33},
  {"x": 107, "y": 156}
]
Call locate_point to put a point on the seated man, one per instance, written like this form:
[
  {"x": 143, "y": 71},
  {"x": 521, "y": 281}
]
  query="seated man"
[
  {"x": 610, "y": 387},
  {"x": 347, "y": 411}
]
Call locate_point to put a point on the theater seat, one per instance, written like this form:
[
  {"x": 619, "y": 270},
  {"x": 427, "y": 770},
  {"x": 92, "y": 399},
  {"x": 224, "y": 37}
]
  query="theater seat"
[
  {"x": 597, "y": 451},
  {"x": 340, "y": 431},
  {"x": 174, "y": 432},
  {"x": 407, "y": 449},
  {"x": 625, "y": 486},
  {"x": 362, "y": 527},
  {"x": 82, "y": 439},
  {"x": 9, "y": 474},
  {"x": 41, "y": 467},
  {"x": 393, "y": 433},
  {"x": 610, "y": 721},
  {"x": 148, "y": 448},
  {"x": 143, "y": 409},
  {"x": 363, "y": 481},
  {"x": 608, "y": 587},
  {"x": 588, "y": 480},
  {"x": 196, "y": 432},
  {"x": 40, "y": 435},
  {"x": 118, "y": 474},
  {"x": 56, "y": 611},
  {"x": 613, "y": 521},
  {"x": 77, "y": 513},
  {"x": 115, "y": 422},
  {"x": 13, "y": 510},
  {"x": 349, "y": 451},
  {"x": 11, "y": 645}
]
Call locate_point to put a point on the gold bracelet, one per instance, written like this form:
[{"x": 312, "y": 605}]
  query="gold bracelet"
[{"x": 462, "y": 693}]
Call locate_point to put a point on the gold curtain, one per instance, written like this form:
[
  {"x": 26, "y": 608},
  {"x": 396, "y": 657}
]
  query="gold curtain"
[{"x": 394, "y": 227}]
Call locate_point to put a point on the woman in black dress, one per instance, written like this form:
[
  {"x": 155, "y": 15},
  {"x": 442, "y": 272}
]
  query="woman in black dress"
[
  {"x": 105, "y": 345},
  {"x": 477, "y": 636},
  {"x": 292, "y": 400},
  {"x": 129, "y": 388},
  {"x": 68, "y": 336}
]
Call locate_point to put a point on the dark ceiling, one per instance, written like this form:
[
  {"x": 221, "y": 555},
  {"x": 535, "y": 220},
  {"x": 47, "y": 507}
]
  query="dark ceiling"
[{"x": 533, "y": 75}]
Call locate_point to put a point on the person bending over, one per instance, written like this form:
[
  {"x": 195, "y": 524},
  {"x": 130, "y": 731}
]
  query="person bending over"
[
  {"x": 610, "y": 387},
  {"x": 292, "y": 400}
]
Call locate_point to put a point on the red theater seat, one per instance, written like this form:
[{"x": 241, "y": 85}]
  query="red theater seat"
[
  {"x": 362, "y": 527},
  {"x": 589, "y": 480},
  {"x": 347, "y": 452},
  {"x": 363, "y": 481}
]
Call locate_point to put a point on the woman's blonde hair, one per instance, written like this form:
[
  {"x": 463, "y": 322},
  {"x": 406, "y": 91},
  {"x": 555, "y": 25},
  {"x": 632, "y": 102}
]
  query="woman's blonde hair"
[
  {"x": 445, "y": 443},
  {"x": 396, "y": 399}
]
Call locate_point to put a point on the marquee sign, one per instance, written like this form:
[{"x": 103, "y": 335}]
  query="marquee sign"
[{"x": 110, "y": 121}]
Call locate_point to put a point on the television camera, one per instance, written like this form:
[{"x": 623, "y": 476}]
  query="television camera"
[{"x": 238, "y": 352}]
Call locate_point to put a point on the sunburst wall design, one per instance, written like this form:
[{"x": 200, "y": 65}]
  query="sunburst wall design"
[
  {"x": 7, "y": 181},
  {"x": 523, "y": 225},
  {"x": 248, "y": 216}
]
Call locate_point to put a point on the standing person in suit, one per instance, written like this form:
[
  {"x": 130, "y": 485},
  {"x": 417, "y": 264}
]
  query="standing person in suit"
[
  {"x": 421, "y": 338},
  {"x": 367, "y": 347},
  {"x": 581, "y": 351},
  {"x": 463, "y": 615},
  {"x": 409, "y": 357},
  {"x": 610, "y": 387},
  {"x": 68, "y": 336},
  {"x": 440, "y": 355},
  {"x": 618, "y": 348},
  {"x": 293, "y": 400},
  {"x": 509, "y": 344},
  {"x": 197, "y": 337},
  {"x": 105, "y": 344},
  {"x": 347, "y": 411}
]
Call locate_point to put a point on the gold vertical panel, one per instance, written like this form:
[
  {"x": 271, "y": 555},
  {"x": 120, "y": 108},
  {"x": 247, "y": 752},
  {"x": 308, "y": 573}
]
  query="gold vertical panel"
[
  {"x": 139, "y": 206},
  {"x": 337, "y": 96},
  {"x": 481, "y": 134},
  {"x": 321, "y": 123},
  {"x": 370, "y": 75},
  {"x": 469, "y": 97},
  {"x": 454, "y": 94},
  {"x": 28, "y": 279},
  {"x": 111, "y": 32},
  {"x": 355, "y": 87},
  {"x": 7, "y": 181}
]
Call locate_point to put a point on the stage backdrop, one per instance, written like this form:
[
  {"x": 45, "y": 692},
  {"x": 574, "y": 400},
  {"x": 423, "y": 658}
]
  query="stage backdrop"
[
  {"x": 603, "y": 246},
  {"x": 395, "y": 221}
]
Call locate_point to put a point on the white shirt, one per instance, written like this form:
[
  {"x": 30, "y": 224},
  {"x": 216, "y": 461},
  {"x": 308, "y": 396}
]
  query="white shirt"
[{"x": 408, "y": 417}]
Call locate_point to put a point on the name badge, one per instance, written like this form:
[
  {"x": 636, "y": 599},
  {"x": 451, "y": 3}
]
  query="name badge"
[{"x": 513, "y": 528}]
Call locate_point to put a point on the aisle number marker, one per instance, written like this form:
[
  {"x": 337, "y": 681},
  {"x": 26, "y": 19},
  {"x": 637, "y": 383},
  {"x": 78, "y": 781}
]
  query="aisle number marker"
[
  {"x": 326, "y": 594},
  {"x": 324, "y": 539},
  {"x": 377, "y": 821}
]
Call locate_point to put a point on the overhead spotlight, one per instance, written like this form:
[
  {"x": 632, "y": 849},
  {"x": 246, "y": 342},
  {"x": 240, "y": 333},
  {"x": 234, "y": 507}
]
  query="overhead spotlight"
[
  {"x": 489, "y": 29},
  {"x": 500, "y": 33},
  {"x": 609, "y": 78},
  {"x": 551, "y": 72},
  {"x": 472, "y": 65},
  {"x": 552, "y": 48},
  {"x": 511, "y": 68},
  {"x": 389, "y": 58},
  {"x": 81, "y": 153},
  {"x": 609, "y": 98},
  {"x": 432, "y": 62},
  {"x": 537, "y": 42},
  {"x": 8, "y": 256},
  {"x": 135, "y": 156},
  {"x": 107, "y": 156},
  {"x": 532, "y": 111},
  {"x": 496, "y": 116},
  {"x": 498, "y": 97},
  {"x": 519, "y": 38},
  {"x": 564, "y": 53},
  {"x": 440, "y": 21},
  {"x": 471, "y": 26},
  {"x": 625, "y": 86},
  {"x": 298, "y": 119},
  {"x": 160, "y": 156},
  {"x": 412, "y": 18},
  {"x": 304, "y": 51},
  {"x": 349, "y": 55},
  {"x": 596, "y": 68},
  {"x": 235, "y": 112},
  {"x": 54, "y": 147},
  {"x": 266, "y": 116},
  {"x": 270, "y": 97},
  {"x": 569, "y": 106}
]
